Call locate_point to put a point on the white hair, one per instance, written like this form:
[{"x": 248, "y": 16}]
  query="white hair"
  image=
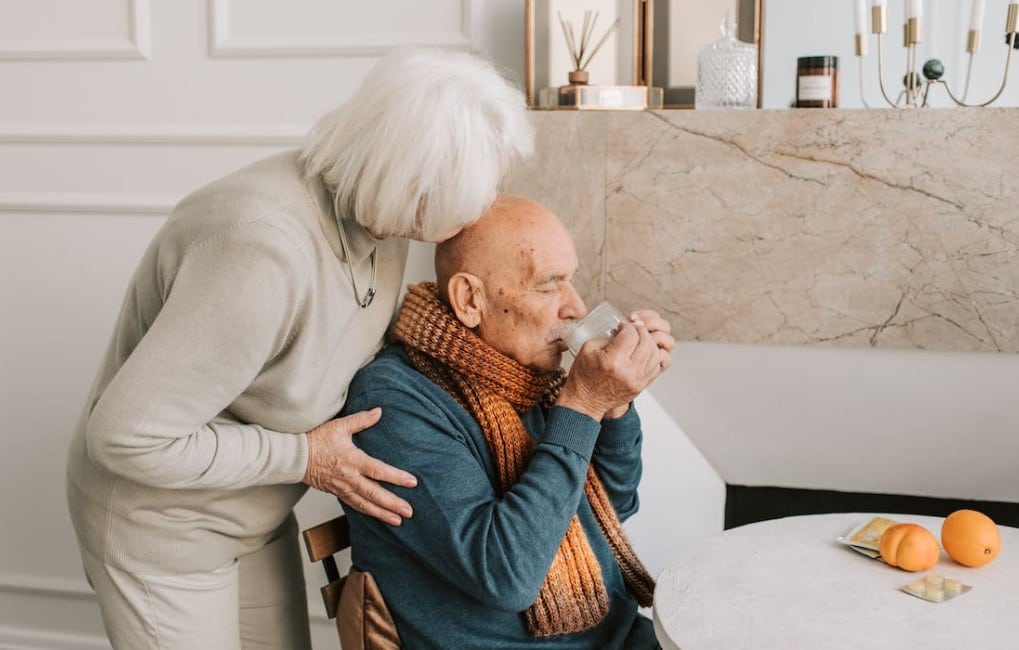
[{"x": 421, "y": 147}]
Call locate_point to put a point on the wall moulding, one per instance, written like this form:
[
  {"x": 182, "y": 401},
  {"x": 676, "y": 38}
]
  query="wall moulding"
[
  {"x": 288, "y": 135},
  {"x": 136, "y": 43},
  {"x": 11, "y": 637},
  {"x": 71, "y": 612},
  {"x": 125, "y": 169},
  {"x": 36, "y": 585},
  {"x": 226, "y": 41},
  {"x": 73, "y": 604},
  {"x": 86, "y": 204}
]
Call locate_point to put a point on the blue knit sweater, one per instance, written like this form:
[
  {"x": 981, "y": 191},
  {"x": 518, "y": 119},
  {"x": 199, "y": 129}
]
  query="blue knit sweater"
[{"x": 461, "y": 571}]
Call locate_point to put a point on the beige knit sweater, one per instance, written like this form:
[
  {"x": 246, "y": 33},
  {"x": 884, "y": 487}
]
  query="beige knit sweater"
[{"x": 238, "y": 334}]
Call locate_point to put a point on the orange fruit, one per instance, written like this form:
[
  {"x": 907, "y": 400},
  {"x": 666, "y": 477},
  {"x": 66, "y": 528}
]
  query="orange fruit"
[
  {"x": 910, "y": 547},
  {"x": 970, "y": 537}
]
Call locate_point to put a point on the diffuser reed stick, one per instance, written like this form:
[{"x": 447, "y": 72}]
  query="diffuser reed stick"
[{"x": 582, "y": 52}]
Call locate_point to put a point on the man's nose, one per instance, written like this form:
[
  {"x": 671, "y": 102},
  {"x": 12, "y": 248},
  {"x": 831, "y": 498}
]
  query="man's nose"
[{"x": 574, "y": 306}]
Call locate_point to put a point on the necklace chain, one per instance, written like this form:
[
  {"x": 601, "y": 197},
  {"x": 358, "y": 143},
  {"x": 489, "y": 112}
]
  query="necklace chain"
[{"x": 369, "y": 295}]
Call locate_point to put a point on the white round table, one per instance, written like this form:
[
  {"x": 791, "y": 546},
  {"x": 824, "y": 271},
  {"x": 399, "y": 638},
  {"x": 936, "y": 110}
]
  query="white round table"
[{"x": 787, "y": 584}]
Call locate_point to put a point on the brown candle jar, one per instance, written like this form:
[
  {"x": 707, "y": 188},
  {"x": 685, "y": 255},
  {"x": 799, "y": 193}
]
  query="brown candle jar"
[{"x": 817, "y": 82}]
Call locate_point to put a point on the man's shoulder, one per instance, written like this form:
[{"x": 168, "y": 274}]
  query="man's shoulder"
[
  {"x": 269, "y": 196},
  {"x": 405, "y": 395},
  {"x": 392, "y": 361},
  {"x": 392, "y": 373}
]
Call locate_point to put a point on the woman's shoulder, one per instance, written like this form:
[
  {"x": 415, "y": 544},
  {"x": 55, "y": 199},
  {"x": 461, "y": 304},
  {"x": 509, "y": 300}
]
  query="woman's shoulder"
[{"x": 267, "y": 200}]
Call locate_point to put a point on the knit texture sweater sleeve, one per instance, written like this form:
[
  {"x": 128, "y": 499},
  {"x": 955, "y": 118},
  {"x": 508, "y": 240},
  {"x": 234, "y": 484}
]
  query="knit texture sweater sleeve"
[
  {"x": 230, "y": 306},
  {"x": 497, "y": 548},
  {"x": 617, "y": 461}
]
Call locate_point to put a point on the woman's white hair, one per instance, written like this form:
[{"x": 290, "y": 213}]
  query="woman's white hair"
[{"x": 421, "y": 147}]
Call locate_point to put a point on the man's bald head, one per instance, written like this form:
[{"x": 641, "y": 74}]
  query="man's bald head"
[
  {"x": 509, "y": 277},
  {"x": 498, "y": 240}
]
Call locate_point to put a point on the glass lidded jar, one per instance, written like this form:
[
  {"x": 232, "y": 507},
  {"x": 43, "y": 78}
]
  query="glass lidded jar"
[{"x": 727, "y": 72}]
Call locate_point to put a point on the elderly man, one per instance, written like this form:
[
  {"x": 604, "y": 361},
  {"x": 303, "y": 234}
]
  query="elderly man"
[{"x": 524, "y": 472}]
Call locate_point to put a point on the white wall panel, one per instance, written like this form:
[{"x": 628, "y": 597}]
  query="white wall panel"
[
  {"x": 179, "y": 84},
  {"x": 71, "y": 29},
  {"x": 62, "y": 278},
  {"x": 140, "y": 174},
  {"x": 328, "y": 28},
  {"x": 124, "y": 169}
]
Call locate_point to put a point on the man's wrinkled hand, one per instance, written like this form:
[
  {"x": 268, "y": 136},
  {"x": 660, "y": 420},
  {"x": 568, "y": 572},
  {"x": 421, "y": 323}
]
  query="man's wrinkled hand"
[
  {"x": 337, "y": 466},
  {"x": 660, "y": 330},
  {"x": 608, "y": 374}
]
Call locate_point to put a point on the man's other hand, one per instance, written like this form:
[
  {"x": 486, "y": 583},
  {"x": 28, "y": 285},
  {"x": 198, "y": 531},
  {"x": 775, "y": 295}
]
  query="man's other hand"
[{"x": 608, "y": 374}]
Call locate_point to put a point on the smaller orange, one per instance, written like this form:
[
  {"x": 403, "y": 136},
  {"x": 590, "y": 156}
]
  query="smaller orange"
[
  {"x": 970, "y": 538},
  {"x": 910, "y": 547}
]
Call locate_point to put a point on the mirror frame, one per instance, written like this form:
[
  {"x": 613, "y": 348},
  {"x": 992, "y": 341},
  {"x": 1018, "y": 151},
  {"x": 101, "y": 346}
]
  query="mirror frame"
[
  {"x": 646, "y": 39},
  {"x": 749, "y": 20},
  {"x": 643, "y": 46}
]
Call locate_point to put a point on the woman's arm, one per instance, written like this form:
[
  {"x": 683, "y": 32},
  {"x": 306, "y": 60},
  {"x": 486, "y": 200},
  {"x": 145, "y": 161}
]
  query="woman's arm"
[{"x": 229, "y": 309}]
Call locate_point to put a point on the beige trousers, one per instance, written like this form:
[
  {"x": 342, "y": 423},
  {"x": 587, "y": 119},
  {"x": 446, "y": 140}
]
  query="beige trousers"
[{"x": 254, "y": 601}]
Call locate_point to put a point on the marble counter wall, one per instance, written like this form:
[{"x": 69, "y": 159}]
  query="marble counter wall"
[{"x": 809, "y": 227}]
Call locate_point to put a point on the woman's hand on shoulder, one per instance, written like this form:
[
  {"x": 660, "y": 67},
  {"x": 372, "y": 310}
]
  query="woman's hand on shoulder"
[{"x": 337, "y": 466}]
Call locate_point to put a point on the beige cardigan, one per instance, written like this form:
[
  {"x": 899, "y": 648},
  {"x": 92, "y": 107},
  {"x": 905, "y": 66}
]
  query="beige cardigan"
[{"x": 239, "y": 333}]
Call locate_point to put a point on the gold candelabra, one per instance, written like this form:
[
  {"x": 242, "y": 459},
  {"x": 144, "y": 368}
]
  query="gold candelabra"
[{"x": 915, "y": 92}]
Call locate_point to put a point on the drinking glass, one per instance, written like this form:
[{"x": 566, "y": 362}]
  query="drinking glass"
[{"x": 600, "y": 323}]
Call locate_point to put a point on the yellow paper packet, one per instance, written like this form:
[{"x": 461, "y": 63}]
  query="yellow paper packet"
[
  {"x": 869, "y": 534},
  {"x": 866, "y": 538}
]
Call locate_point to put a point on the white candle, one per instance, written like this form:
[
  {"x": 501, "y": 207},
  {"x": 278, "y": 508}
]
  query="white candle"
[
  {"x": 879, "y": 3},
  {"x": 915, "y": 9},
  {"x": 861, "y": 16},
  {"x": 976, "y": 17}
]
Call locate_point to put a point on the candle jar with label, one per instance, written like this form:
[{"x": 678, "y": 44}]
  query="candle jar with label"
[{"x": 817, "y": 82}]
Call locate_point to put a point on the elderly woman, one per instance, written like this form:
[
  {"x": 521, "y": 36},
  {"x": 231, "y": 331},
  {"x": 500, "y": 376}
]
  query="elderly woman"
[{"x": 242, "y": 326}]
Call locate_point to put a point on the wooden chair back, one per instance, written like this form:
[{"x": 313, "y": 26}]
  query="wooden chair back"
[{"x": 323, "y": 542}]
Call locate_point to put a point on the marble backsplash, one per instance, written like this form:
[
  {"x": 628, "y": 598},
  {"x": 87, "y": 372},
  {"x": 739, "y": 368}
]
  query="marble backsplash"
[{"x": 865, "y": 228}]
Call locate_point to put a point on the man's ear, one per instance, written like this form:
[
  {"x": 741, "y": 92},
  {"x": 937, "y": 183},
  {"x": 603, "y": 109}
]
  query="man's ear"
[{"x": 466, "y": 295}]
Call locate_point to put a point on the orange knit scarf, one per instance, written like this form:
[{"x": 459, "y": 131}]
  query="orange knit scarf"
[{"x": 495, "y": 389}]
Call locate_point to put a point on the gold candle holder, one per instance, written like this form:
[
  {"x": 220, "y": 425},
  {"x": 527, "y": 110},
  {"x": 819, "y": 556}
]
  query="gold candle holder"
[
  {"x": 916, "y": 90},
  {"x": 973, "y": 41},
  {"x": 861, "y": 45},
  {"x": 914, "y": 34},
  {"x": 878, "y": 19}
]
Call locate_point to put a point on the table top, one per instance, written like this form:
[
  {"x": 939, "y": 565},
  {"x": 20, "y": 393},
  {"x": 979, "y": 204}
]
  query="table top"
[{"x": 787, "y": 583}]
